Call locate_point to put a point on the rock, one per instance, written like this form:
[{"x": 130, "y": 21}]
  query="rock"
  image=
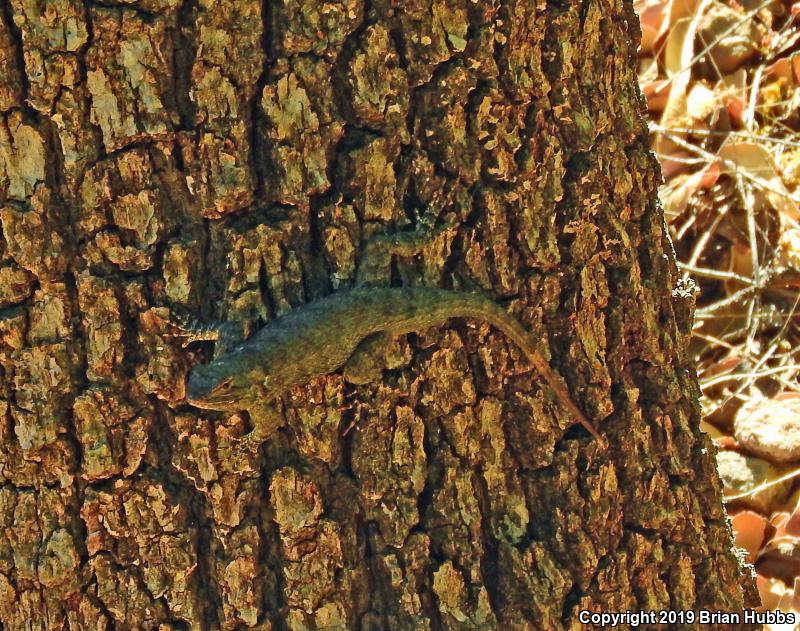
[
  {"x": 770, "y": 427},
  {"x": 741, "y": 474},
  {"x": 737, "y": 45},
  {"x": 780, "y": 558}
]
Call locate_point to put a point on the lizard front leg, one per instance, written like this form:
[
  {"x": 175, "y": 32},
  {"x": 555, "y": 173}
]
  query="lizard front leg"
[
  {"x": 225, "y": 335},
  {"x": 267, "y": 418}
]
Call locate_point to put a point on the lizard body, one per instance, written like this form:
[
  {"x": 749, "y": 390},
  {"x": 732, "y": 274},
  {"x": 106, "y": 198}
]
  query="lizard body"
[{"x": 320, "y": 337}]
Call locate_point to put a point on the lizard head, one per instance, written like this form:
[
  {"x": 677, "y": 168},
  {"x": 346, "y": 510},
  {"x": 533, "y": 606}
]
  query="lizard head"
[{"x": 214, "y": 387}]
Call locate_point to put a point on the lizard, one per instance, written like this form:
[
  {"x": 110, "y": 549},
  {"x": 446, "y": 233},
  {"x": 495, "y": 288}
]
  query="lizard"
[{"x": 341, "y": 330}]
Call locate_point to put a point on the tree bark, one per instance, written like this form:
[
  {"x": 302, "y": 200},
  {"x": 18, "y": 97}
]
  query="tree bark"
[{"x": 229, "y": 159}]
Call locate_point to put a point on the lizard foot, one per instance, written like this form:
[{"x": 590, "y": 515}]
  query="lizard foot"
[
  {"x": 365, "y": 365},
  {"x": 225, "y": 334}
]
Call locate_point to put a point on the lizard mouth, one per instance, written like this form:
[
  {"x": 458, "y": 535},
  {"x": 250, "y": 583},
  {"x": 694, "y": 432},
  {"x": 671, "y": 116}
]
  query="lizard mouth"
[
  {"x": 201, "y": 396},
  {"x": 221, "y": 404},
  {"x": 209, "y": 388}
]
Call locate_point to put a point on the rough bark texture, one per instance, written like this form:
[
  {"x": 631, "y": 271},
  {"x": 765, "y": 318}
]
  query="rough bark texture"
[{"x": 228, "y": 159}]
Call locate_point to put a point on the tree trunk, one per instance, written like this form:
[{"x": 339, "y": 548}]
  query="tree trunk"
[{"x": 229, "y": 159}]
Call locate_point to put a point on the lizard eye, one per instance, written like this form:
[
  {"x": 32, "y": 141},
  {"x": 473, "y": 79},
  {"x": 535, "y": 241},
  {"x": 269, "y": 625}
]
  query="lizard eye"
[{"x": 224, "y": 387}]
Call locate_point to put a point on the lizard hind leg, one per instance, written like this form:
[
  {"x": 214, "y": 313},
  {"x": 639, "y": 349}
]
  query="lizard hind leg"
[
  {"x": 375, "y": 265},
  {"x": 366, "y": 363}
]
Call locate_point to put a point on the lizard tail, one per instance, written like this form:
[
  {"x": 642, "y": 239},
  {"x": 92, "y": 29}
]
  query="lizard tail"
[{"x": 478, "y": 307}]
